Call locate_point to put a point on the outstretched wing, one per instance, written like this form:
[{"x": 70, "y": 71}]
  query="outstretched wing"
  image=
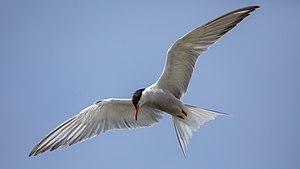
[
  {"x": 102, "y": 116},
  {"x": 183, "y": 54}
]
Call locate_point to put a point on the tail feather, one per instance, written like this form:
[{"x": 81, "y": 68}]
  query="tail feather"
[{"x": 196, "y": 117}]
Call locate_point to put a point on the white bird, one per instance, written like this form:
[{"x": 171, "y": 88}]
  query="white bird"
[{"x": 146, "y": 105}]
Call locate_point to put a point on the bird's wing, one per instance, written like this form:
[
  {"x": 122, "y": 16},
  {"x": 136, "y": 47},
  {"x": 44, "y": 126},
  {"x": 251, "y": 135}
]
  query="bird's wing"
[
  {"x": 102, "y": 116},
  {"x": 183, "y": 54}
]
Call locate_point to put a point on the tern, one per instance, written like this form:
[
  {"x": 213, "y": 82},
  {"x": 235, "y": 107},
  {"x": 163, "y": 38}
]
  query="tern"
[{"x": 147, "y": 104}]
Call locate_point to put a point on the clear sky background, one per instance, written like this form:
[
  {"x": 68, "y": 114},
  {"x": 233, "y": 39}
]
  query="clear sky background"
[{"x": 58, "y": 57}]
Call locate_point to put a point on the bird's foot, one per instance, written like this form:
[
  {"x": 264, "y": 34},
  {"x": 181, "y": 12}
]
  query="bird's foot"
[
  {"x": 184, "y": 113},
  {"x": 181, "y": 116}
]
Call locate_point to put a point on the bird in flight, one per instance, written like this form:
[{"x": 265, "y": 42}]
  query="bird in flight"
[{"x": 147, "y": 104}]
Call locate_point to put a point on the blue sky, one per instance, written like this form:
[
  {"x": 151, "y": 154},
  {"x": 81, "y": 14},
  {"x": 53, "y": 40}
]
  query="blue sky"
[{"x": 57, "y": 57}]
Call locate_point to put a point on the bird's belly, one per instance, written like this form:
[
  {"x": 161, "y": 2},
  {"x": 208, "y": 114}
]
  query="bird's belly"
[{"x": 169, "y": 105}]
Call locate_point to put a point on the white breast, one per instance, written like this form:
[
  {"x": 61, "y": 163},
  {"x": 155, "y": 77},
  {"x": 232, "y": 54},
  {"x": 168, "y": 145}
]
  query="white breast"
[{"x": 161, "y": 100}]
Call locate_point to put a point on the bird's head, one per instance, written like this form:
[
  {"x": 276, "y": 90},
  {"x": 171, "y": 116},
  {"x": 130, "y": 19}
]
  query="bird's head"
[{"x": 136, "y": 97}]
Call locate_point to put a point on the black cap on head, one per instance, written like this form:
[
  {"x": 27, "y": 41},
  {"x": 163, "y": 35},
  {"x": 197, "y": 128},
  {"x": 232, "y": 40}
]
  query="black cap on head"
[{"x": 137, "y": 96}]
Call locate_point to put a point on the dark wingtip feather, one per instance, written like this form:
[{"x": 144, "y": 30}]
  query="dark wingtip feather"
[{"x": 40, "y": 149}]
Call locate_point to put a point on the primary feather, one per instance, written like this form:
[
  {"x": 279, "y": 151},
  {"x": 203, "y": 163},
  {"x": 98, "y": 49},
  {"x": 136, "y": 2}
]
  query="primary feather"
[
  {"x": 98, "y": 118},
  {"x": 183, "y": 54}
]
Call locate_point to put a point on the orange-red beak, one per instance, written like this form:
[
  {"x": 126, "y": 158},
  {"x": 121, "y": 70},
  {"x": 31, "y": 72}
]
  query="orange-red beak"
[{"x": 136, "y": 111}]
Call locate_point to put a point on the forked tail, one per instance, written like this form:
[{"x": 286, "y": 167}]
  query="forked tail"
[{"x": 196, "y": 117}]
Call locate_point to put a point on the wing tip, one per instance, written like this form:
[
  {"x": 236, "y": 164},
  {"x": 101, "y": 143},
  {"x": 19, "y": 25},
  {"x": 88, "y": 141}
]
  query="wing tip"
[
  {"x": 248, "y": 8},
  {"x": 33, "y": 152}
]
